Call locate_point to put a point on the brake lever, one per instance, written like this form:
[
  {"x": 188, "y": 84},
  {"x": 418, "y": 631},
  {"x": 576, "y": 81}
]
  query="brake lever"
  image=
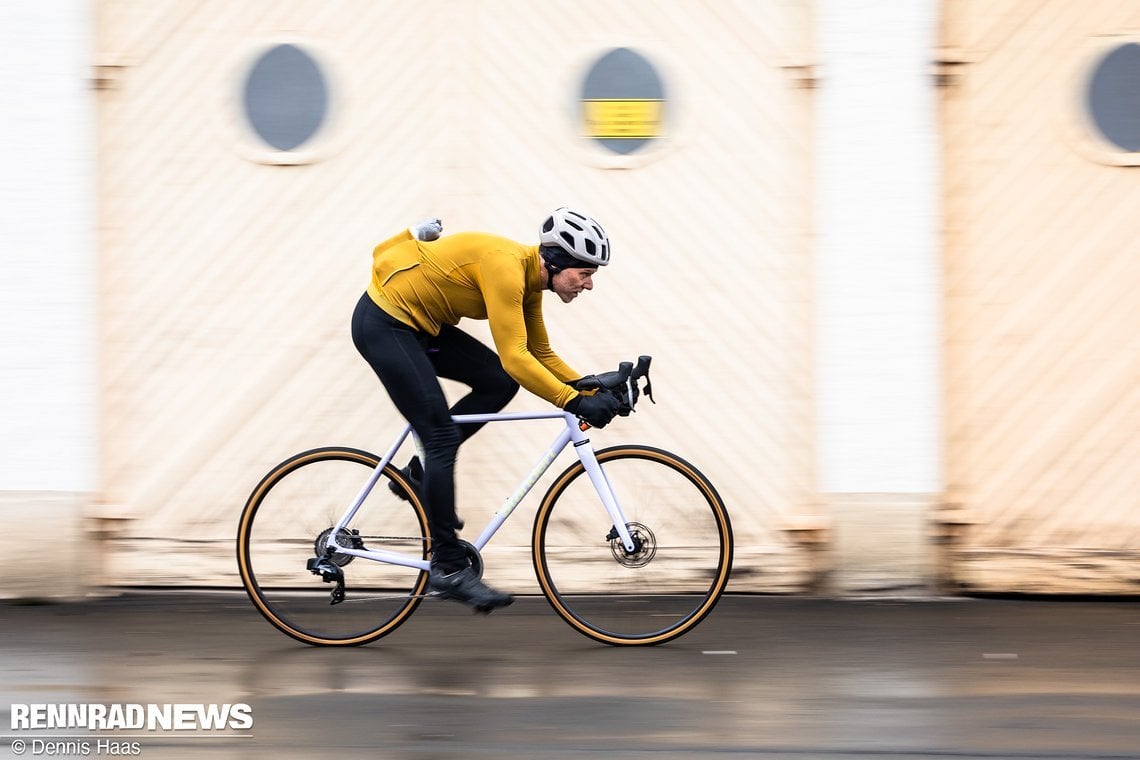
[
  {"x": 623, "y": 382},
  {"x": 642, "y": 371}
]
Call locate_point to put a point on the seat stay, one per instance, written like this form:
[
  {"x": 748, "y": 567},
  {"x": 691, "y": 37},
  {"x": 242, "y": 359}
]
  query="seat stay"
[
  {"x": 377, "y": 471},
  {"x": 393, "y": 558}
]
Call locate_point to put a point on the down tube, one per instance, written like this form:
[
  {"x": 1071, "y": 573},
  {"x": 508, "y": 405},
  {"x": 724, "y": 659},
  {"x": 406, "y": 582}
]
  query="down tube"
[
  {"x": 606, "y": 492},
  {"x": 523, "y": 488}
]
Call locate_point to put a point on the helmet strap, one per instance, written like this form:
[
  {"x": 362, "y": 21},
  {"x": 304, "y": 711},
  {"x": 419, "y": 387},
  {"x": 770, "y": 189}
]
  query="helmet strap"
[
  {"x": 551, "y": 270},
  {"x": 555, "y": 260}
]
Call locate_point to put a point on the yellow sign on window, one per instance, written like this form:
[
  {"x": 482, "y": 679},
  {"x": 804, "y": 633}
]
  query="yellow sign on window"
[{"x": 618, "y": 119}]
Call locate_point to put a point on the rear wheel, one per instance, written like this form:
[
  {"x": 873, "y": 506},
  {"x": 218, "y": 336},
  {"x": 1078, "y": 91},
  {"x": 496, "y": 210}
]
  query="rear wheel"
[
  {"x": 286, "y": 523},
  {"x": 677, "y": 571}
]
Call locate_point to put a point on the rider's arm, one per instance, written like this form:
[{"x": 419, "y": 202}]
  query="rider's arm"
[
  {"x": 504, "y": 293},
  {"x": 538, "y": 342}
]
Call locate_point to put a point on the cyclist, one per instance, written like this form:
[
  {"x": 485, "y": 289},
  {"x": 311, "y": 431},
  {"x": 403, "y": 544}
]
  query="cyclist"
[{"x": 405, "y": 328}]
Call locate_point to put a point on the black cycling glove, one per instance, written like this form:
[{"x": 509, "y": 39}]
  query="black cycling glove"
[
  {"x": 589, "y": 382},
  {"x": 597, "y": 410},
  {"x": 594, "y": 382}
]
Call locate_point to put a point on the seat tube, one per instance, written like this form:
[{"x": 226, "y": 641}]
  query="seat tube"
[{"x": 605, "y": 491}]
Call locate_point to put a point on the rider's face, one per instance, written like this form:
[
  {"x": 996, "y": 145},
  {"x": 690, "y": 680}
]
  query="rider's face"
[{"x": 570, "y": 282}]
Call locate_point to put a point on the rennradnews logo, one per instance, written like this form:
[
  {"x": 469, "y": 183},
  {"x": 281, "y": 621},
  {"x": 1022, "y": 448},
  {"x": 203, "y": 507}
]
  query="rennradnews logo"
[{"x": 117, "y": 717}]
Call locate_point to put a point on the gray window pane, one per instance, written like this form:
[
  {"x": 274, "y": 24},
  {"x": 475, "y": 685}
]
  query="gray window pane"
[
  {"x": 1114, "y": 97},
  {"x": 286, "y": 99}
]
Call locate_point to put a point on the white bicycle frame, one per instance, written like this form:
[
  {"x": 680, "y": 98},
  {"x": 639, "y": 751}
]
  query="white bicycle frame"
[{"x": 571, "y": 434}]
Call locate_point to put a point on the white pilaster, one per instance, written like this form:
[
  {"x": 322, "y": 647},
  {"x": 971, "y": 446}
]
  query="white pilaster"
[
  {"x": 47, "y": 291},
  {"x": 878, "y": 292}
]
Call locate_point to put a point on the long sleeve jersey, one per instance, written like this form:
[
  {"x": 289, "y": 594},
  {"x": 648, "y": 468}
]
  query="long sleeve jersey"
[{"x": 478, "y": 276}]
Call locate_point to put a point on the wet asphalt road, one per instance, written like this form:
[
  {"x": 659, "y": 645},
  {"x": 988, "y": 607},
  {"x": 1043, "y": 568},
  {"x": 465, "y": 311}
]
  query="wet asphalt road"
[{"x": 763, "y": 677}]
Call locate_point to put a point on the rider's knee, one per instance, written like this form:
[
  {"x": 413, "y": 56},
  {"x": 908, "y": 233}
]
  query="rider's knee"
[
  {"x": 505, "y": 389},
  {"x": 498, "y": 387}
]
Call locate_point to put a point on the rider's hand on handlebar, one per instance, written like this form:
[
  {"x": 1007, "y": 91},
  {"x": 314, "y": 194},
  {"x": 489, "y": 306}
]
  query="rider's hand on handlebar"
[
  {"x": 588, "y": 382},
  {"x": 624, "y": 384},
  {"x": 596, "y": 410},
  {"x": 614, "y": 382}
]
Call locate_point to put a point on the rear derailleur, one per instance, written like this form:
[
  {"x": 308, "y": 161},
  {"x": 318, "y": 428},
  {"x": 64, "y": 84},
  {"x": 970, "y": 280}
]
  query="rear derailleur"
[
  {"x": 329, "y": 572},
  {"x": 328, "y": 565}
]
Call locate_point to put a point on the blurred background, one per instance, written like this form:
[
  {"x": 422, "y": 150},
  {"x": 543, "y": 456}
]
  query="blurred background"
[{"x": 884, "y": 254}]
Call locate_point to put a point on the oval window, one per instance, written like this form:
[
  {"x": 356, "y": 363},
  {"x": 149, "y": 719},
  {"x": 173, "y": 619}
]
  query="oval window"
[
  {"x": 286, "y": 97},
  {"x": 1114, "y": 97},
  {"x": 623, "y": 102}
]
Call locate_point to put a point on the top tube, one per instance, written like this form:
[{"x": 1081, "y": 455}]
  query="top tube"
[{"x": 505, "y": 416}]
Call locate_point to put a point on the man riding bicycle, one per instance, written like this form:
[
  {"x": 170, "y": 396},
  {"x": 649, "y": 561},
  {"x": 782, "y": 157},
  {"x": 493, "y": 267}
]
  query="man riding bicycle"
[{"x": 405, "y": 328}]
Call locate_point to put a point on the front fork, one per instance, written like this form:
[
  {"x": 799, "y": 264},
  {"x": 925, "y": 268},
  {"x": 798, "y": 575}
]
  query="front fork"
[{"x": 605, "y": 491}]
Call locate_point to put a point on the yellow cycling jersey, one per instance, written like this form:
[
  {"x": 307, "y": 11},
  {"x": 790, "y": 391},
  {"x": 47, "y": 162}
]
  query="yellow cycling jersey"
[{"x": 478, "y": 276}]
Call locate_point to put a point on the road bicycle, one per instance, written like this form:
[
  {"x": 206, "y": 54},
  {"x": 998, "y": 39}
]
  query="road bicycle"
[{"x": 631, "y": 545}]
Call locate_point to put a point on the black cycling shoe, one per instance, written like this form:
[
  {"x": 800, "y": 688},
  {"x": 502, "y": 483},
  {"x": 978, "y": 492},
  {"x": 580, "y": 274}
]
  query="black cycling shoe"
[
  {"x": 414, "y": 472},
  {"x": 465, "y": 586}
]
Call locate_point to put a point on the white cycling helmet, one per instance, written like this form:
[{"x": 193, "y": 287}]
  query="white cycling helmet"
[{"x": 578, "y": 235}]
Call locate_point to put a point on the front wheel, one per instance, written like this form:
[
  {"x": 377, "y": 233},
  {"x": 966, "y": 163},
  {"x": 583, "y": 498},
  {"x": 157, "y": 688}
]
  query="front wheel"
[
  {"x": 287, "y": 522},
  {"x": 681, "y": 560}
]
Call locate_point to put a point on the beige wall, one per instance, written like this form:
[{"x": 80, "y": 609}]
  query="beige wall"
[
  {"x": 228, "y": 275},
  {"x": 1043, "y": 331}
]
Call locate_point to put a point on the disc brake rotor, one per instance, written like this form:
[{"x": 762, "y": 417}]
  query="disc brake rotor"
[{"x": 644, "y": 546}]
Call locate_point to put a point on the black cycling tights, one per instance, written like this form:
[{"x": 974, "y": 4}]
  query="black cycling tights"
[{"x": 409, "y": 363}]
